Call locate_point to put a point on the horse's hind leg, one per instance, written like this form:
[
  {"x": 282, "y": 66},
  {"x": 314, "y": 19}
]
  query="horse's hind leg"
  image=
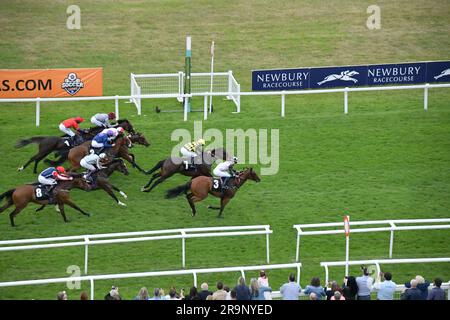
[
  {"x": 28, "y": 162},
  {"x": 156, "y": 175},
  {"x": 162, "y": 179},
  {"x": 191, "y": 203},
  {"x": 63, "y": 213},
  {"x": 40, "y": 208},
  {"x": 13, "y": 214}
]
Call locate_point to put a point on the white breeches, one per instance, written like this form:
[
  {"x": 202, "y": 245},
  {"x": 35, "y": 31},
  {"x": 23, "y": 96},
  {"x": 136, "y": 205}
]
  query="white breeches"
[
  {"x": 185, "y": 152},
  {"x": 96, "y": 122},
  {"x": 222, "y": 174},
  {"x": 95, "y": 144},
  {"x": 86, "y": 165},
  {"x": 67, "y": 131},
  {"x": 47, "y": 181}
]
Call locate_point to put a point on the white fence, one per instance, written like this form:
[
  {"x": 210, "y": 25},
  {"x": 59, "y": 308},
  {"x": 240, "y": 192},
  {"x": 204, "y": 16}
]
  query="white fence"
[
  {"x": 236, "y": 95},
  {"x": 393, "y": 225},
  {"x": 173, "y": 83},
  {"x": 193, "y": 272},
  {"x": 127, "y": 237}
]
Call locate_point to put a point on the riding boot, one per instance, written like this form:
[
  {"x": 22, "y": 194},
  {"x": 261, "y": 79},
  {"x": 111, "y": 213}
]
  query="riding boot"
[
  {"x": 192, "y": 162},
  {"x": 225, "y": 182},
  {"x": 186, "y": 165}
]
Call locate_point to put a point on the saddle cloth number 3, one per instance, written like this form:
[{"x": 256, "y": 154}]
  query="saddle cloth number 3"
[{"x": 216, "y": 184}]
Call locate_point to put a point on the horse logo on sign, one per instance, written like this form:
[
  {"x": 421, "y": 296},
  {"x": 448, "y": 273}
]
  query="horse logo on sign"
[
  {"x": 444, "y": 73},
  {"x": 344, "y": 76},
  {"x": 72, "y": 84}
]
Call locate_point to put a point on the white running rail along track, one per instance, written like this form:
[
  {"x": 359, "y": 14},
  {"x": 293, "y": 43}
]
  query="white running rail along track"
[
  {"x": 127, "y": 237},
  {"x": 389, "y": 225},
  {"x": 193, "y": 272},
  {"x": 137, "y": 96}
]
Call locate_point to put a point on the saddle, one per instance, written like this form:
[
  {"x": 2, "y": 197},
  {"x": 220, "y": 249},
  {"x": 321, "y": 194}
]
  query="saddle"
[{"x": 42, "y": 192}]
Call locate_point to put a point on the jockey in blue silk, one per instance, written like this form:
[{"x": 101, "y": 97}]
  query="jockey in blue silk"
[
  {"x": 50, "y": 177},
  {"x": 102, "y": 140}
]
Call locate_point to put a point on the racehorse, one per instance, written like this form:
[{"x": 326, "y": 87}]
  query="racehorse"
[
  {"x": 49, "y": 144},
  {"x": 101, "y": 181},
  {"x": 135, "y": 137},
  {"x": 25, "y": 194},
  {"x": 199, "y": 188},
  {"x": 172, "y": 165}
]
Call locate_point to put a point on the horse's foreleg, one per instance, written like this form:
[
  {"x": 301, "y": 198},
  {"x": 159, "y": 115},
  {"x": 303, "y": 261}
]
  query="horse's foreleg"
[
  {"x": 223, "y": 203},
  {"x": 156, "y": 175},
  {"x": 162, "y": 179},
  {"x": 123, "y": 194},
  {"x": 112, "y": 195},
  {"x": 73, "y": 205},
  {"x": 63, "y": 213}
]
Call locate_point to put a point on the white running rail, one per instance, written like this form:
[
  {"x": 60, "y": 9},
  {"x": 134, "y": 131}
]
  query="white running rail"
[{"x": 126, "y": 237}]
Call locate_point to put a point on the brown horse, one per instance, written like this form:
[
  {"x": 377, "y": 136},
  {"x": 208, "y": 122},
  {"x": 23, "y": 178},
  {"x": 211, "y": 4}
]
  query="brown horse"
[
  {"x": 79, "y": 152},
  {"x": 49, "y": 144},
  {"x": 172, "y": 165},
  {"x": 199, "y": 188},
  {"x": 22, "y": 195},
  {"x": 102, "y": 181}
]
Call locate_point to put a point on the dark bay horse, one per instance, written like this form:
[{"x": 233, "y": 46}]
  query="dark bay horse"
[
  {"x": 49, "y": 144},
  {"x": 102, "y": 181},
  {"x": 169, "y": 166},
  {"x": 22, "y": 195},
  {"x": 198, "y": 189}
]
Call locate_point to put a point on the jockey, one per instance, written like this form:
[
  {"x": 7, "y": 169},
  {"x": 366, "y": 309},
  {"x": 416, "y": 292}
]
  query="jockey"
[
  {"x": 101, "y": 140},
  {"x": 192, "y": 150},
  {"x": 225, "y": 171},
  {"x": 115, "y": 132},
  {"x": 49, "y": 176},
  {"x": 71, "y": 123},
  {"x": 102, "y": 119},
  {"x": 92, "y": 162}
]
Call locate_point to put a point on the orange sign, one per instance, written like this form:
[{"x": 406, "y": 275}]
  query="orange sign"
[
  {"x": 44, "y": 83},
  {"x": 347, "y": 225}
]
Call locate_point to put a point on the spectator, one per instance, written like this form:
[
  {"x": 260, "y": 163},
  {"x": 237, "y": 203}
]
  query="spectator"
[
  {"x": 436, "y": 293},
  {"x": 62, "y": 295},
  {"x": 220, "y": 294},
  {"x": 158, "y": 294},
  {"x": 364, "y": 283},
  {"x": 257, "y": 291},
  {"x": 113, "y": 294},
  {"x": 337, "y": 296},
  {"x": 84, "y": 296},
  {"x": 143, "y": 294},
  {"x": 173, "y": 295},
  {"x": 242, "y": 291},
  {"x": 233, "y": 295},
  {"x": 227, "y": 290},
  {"x": 316, "y": 288},
  {"x": 193, "y": 294},
  {"x": 333, "y": 288},
  {"x": 386, "y": 289},
  {"x": 313, "y": 296},
  {"x": 204, "y": 293},
  {"x": 350, "y": 288},
  {"x": 422, "y": 285},
  {"x": 290, "y": 290},
  {"x": 263, "y": 280},
  {"x": 413, "y": 293}
]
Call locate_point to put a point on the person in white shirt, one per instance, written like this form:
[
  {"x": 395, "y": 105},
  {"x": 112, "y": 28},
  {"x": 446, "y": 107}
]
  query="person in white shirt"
[
  {"x": 225, "y": 171},
  {"x": 364, "y": 285},
  {"x": 386, "y": 289},
  {"x": 93, "y": 162}
]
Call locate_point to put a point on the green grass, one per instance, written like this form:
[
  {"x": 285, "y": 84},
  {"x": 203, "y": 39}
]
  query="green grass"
[{"x": 386, "y": 159}]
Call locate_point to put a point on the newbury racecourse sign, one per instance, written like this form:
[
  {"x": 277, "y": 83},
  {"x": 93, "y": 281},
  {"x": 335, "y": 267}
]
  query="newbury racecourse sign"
[{"x": 348, "y": 76}]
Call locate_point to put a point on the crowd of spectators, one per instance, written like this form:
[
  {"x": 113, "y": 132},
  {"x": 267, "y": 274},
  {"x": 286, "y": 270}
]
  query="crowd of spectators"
[{"x": 359, "y": 288}]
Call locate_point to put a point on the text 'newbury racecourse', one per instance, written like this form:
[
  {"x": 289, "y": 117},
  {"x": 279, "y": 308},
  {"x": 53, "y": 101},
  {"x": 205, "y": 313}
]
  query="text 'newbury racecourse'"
[{"x": 350, "y": 76}]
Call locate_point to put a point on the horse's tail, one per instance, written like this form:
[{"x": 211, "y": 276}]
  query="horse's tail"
[
  {"x": 23, "y": 142},
  {"x": 7, "y": 194},
  {"x": 156, "y": 167},
  {"x": 175, "y": 192}
]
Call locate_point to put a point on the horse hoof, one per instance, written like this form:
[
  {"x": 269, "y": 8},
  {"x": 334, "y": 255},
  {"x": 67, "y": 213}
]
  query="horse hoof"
[
  {"x": 20, "y": 169},
  {"x": 88, "y": 215},
  {"x": 143, "y": 189},
  {"x": 120, "y": 203},
  {"x": 123, "y": 194}
]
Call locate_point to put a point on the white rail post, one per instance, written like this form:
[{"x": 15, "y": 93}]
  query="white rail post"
[
  {"x": 195, "y": 278},
  {"x": 117, "y": 107},
  {"x": 326, "y": 273},
  {"x": 298, "y": 274},
  {"x": 183, "y": 248},
  {"x": 38, "y": 111},
  {"x": 297, "y": 252},
  {"x": 267, "y": 247},
  {"x": 92, "y": 288},
  {"x": 185, "y": 108},
  {"x": 425, "y": 97},
  {"x": 205, "y": 108},
  {"x": 391, "y": 241},
  {"x": 347, "y": 253},
  {"x": 139, "y": 99},
  {"x": 283, "y": 102},
  {"x": 230, "y": 81},
  {"x": 346, "y": 100},
  {"x": 243, "y": 274},
  {"x": 86, "y": 254}
]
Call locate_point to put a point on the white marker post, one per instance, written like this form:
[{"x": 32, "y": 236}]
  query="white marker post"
[
  {"x": 347, "y": 241},
  {"x": 212, "y": 77}
]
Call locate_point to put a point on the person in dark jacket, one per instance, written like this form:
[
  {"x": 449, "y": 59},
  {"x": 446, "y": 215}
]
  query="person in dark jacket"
[
  {"x": 422, "y": 285},
  {"x": 413, "y": 293},
  {"x": 242, "y": 291},
  {"x": 350, "y": 288},
  {"x": 205, "y": 292},
  {"x": 436, "y": 293}
]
